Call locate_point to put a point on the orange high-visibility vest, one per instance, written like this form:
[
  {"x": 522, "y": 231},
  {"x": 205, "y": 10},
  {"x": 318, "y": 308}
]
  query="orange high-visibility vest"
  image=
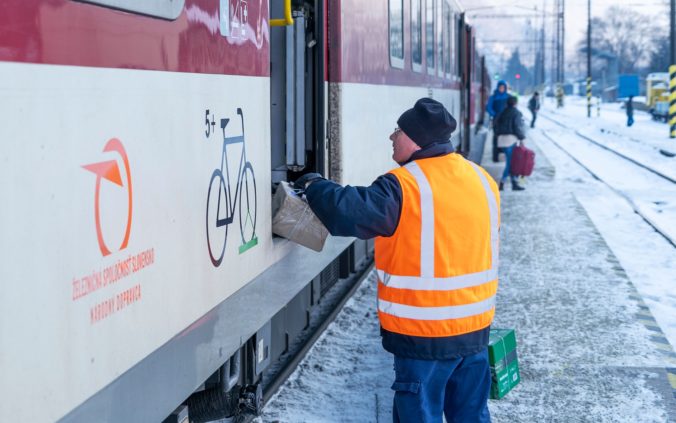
[{"x": 438, "y": 272}]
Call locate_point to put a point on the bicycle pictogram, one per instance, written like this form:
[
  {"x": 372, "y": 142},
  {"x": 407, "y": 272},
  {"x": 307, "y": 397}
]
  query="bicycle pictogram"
[{"x": 218, "y": 220}]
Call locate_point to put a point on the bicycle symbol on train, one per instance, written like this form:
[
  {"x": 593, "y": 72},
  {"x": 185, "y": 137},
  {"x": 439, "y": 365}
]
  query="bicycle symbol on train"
[{"x": 218, "y": 220}]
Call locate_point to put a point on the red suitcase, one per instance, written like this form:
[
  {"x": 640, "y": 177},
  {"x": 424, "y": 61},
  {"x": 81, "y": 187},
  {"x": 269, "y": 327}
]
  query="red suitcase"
[{"x": 523, "y": 161}]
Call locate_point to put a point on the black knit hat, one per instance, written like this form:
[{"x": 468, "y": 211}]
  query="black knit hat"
[{"x": 427, "y": 122}]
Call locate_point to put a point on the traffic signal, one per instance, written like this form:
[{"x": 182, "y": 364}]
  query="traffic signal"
[{"x": 496, "y": 76}]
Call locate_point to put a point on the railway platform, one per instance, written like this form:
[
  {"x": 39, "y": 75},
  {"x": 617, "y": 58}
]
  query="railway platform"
[{"x": 589, "y": 347}]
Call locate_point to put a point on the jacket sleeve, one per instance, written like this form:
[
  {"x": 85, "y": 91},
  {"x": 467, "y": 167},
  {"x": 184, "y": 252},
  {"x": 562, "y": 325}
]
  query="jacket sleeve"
[
  {"x": 362, "y": 212},
  {"x": 489, "y": 106}
]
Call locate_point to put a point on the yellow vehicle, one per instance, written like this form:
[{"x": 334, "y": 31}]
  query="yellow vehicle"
[{"x": 657, "y": 95}]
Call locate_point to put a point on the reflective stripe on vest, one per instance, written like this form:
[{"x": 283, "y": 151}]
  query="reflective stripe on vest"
[
  {"x": 436, "y": 313},
  {"x": 427, "y": 280},
  {"x": 427, "y": 221}
]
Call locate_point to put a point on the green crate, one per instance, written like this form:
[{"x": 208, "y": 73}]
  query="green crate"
[{"x": 503, "y": 362}]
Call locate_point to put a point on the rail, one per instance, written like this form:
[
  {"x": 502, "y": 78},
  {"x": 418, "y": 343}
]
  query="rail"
[{"x": 631, "y": 202}]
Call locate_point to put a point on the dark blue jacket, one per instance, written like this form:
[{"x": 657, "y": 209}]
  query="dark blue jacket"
[
  {"x": 367, "y": 212},
  {"x": 498, "y": 101},
  {"x": 509, "y": 122}
]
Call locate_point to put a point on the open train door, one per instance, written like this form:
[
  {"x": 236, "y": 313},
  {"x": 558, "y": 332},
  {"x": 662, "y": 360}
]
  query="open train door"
[
  {"x": 466, "y": 41},
  {"x": 297, "y": 89},
  {"x": 473, "y": 97}
]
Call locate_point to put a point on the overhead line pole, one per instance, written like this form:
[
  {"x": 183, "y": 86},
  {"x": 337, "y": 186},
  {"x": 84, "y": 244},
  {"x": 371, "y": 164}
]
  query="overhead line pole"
[
  {"x": 542, "y": 46},
  {"x": 672, "y": 72},
  {"x": 555, "y": 53},
  {"x": 589, "y": 75},
  {"x": 561, "y": 50},
  {"x": 559, "y": 55},
  {"x": 562, "y": 42}
]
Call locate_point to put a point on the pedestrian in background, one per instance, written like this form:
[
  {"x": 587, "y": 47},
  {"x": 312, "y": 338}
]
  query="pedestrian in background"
[
  {"x": 496, "y": 104},
  {"x": 509, "y": 129},
  {"x": 436, "y": 221},
  {"x": 630, "y": 111},
  {"x": 534, "y": 107}
]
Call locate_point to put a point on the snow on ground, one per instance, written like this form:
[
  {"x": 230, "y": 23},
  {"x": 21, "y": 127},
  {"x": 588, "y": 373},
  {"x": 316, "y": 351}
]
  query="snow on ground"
[
  {"x": 654, "y": 196},
  {"x": 649, "y": 260},
  {"x": 584, "y": 355},
  {"x": 644, "y": 139}
]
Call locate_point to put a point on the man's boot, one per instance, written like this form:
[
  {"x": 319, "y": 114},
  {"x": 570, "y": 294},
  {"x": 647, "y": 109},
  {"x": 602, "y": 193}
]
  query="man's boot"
[
  {"x": 502, "y": 186},
  {"x": 517, "y": 187}
]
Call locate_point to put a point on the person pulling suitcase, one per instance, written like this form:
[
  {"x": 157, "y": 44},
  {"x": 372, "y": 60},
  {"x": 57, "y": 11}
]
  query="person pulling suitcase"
[{"x": 509, "y": 129}]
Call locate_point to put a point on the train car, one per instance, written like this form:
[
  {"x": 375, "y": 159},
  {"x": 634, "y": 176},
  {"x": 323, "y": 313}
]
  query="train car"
[
  {"x": 141, "y": 143},
  {"x": 383, "y": 56}
]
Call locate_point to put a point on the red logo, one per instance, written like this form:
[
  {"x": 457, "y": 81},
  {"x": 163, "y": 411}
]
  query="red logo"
[{"x": 110, "y": 171}]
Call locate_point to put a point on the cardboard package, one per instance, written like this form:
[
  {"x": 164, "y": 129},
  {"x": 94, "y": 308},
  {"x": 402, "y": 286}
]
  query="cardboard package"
[
  {"x": 503, "y": 361},
  {"x": 293, "y": 219}
]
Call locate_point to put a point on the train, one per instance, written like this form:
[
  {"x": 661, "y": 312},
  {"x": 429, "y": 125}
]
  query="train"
[{"x": 141, "y": 145}]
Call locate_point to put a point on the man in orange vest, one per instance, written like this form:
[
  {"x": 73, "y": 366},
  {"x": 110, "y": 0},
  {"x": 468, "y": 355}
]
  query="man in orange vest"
[{"x": 436, "y": 221}]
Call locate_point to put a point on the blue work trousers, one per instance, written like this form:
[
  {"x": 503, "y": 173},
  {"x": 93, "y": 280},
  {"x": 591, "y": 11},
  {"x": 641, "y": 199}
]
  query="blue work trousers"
[{"x": 427, "y": 389}]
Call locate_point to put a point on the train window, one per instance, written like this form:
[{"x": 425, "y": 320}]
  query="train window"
[
  {"x": 457, "y": 33},
  {"x": 416, "y": 34},
  {"x": 440, "y": 37},
  {"x": 453, "y": 41},
  {"x": 448, "y": 22},
  {"x": 477, "y": 62},
  {"x": 166, "y": 9},
  {"x": 429, "y": 35},
  {"x": 397, "y": 33}
]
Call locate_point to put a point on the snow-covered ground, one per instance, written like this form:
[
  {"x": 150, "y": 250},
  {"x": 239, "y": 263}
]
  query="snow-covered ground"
[
  {"x": 573, "y": 255},
  {"x": 647, "y": 257},
  {"x": 644, "y": 139},
  {"x": 651, "y": 195}
]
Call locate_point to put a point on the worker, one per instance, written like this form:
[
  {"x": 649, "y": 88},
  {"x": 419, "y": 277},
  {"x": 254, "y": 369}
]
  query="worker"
[{"x": 435, "y": 219}]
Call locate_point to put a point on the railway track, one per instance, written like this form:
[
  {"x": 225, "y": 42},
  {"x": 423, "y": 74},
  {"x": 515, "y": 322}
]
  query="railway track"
[
  {"x": 598, "y": 176},
  {"x": 617, "y": 153}
]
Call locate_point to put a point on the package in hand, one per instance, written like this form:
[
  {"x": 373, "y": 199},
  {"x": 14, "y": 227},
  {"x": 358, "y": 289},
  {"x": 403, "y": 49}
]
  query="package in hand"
[{"x": 293, "y": 219}]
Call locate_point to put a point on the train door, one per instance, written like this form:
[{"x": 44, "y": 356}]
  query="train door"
[
  {"x": 485, "y": 81},
  {"x": 297, "y": 91},
  {"x": 465, "y": 33}
]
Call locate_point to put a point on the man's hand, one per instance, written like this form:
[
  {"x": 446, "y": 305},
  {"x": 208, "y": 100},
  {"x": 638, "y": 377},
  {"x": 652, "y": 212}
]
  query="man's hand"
[{"x": 304, "y": 181}]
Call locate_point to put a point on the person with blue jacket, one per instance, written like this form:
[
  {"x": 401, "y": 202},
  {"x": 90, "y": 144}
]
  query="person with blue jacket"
[
  {"x": 435, "y": 375},
  {"x": 496, "y": 104}
]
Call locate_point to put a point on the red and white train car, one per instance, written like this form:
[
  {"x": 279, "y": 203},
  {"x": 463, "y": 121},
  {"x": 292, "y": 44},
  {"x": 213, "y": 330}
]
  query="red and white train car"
[{"x": 140, "y": 142}]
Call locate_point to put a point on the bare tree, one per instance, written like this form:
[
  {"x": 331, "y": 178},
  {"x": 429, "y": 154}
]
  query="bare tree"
[
  {"x": 659, "y": 58},
  {"x": 625, "y": 34}
]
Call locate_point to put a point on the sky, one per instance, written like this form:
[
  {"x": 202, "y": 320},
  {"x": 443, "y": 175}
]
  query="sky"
[{"x": 575, "y": 22}]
